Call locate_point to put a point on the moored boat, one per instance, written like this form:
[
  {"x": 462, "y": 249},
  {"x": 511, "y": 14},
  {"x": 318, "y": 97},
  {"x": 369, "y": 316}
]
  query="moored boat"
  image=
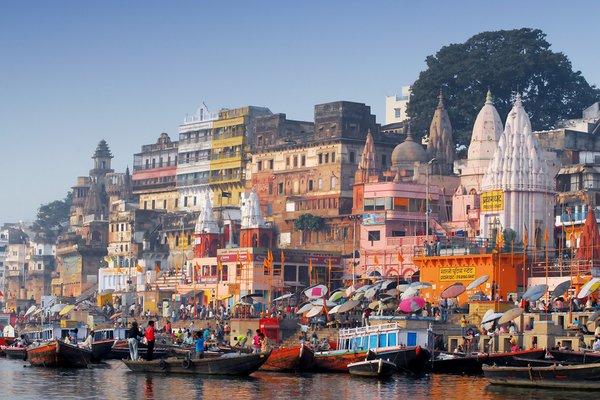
[
  {"x": 576, "y": 357},
  {"x": 101, "y": 349},
  {"x": 226, "y": 365},
  {"x": 56, "y": 353},
  {"x": 297, "y": 358},
  {"x": 584, "y": 376},
  {"x": 336, "y": 360},
  {"x": 16, "y": 352},
  {"x": 376, "y": 368},
  {"x": 471, "y": 364},
  {"x": 120, "y": 351}
]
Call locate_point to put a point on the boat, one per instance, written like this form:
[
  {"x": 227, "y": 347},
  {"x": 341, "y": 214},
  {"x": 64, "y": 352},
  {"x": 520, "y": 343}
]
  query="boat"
[
  {"x": 336, "y": 360},
  {"x": 297, "y": 358},
  {"x": 406, "y": 347},
  {"x": 16, "y": 352},
  {"x": 584, "y": 376},
  {"x": 376, "y": 368},
  {"x": 471, "y": 364},
  {"x": 226, "y": 365},
  {"x": 56, "y": 353},
  {"x": 576, "y": 357},
  {"x": 120, "y": 351},
  {"x": 104, "y": 339}
]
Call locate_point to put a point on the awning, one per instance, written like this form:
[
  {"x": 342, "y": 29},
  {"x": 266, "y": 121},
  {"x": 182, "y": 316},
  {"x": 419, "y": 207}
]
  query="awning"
[{"x": 66, "y": 309}]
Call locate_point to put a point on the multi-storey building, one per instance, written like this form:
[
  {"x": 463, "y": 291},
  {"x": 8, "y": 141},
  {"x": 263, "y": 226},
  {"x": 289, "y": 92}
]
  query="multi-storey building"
[
  {"x": 396, "y": 106},
  {"x": 16, "y": 268},
  {"x": 3, "y": 254},
  {"x": 40, "y": 262},
  {"x": 304, "y": 168},
  {"x": 154, "y": 172}
]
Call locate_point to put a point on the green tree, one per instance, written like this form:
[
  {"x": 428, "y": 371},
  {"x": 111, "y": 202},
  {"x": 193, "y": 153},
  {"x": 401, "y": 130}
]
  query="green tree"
[
  {"x": 506, "y": 62},
  {"x": 53, "y": 218},
  {"x": 308, "y": 223}
]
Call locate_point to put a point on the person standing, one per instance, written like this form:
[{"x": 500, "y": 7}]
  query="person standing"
[
  {"x": 150, "y": 338},
  {"x": 88, "y": 341},
  {"x": 256, "y": 342},
  {"x": 199, "y": 342},
  {"x": 133, "y": 337}
]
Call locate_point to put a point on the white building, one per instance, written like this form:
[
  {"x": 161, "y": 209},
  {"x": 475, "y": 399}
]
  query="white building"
[{"x": 396, "y": 105}]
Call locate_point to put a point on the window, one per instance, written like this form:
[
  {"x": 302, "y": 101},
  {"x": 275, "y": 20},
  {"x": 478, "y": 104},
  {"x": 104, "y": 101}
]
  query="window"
[
  {"x": 310, "y": 185},
  {"x": 153, "y": 204},
  {"x": 271, "y": 164},
  {"x": 398, "y": 233},
  {"x": 176, "y": 203},
  {"x": 397, "y": 113},
  {"x": 303, "y": 161},
  {"x": 185, "y": 201},
  {"x": 287, "y": 162},
  {"x": 280, "y": 188},
  {"x": 259, "y": 164},
  {"x": 333, "y": 157},
  {"x": 333, "y": 182},
  {"x": 145, "y": 205},
  {"x": 352, "y": 157},
  {"x": 320, "y": 158},
  {"x": 295, "y": 161},
  {"x": 164, "y": 204},
  {"x": 374, "y": 236},
  {"x": 320, "y": 184},
  {"x": 369, "y": 204},
  {"x": 270, "y": 187},
  {"x": 326, "y": 158},
  {"x": 384, "y": 160}
]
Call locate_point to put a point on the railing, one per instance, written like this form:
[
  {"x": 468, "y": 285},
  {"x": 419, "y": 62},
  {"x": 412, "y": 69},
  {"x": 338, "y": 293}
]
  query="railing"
[{"x": 158, "y": 165}]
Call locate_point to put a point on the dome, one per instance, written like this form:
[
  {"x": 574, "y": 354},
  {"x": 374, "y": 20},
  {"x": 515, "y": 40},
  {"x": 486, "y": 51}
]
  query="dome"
[
  {"x": 486, "y": 132},
  {"x": 408, "y": 152}
]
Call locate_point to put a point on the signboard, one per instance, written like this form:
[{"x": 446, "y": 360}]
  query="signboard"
[
  {"x": 473, "y": 214},
  {"x": 492, "y": 201},
  {"x": 373, "y": 219},
  {"x": 457, "y": 274}
]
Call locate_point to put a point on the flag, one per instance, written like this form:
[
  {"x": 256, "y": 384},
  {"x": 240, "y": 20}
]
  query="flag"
[
  {"x": 270, "y": 256},
  {"x": 1, "y": 294},
  {"x": 376, "y": 260},
  {"x": 282, "y": 258},
  {"x": 157, "y": 268},
  {"x": 546, "y": 236},
  {"x": 237, "y": 257},
  {"x": 525, "y": 242},
  {"x": 248, "y": 256},
  {"x": 329, "y": 266},
  {"x": 310, "y": 268},
  {"x": 400, "y": 258},
  {"x": 197, "y": 267},
  {"x": 499, "y": 239},
  {"x": 139, "y": 269},
  {"x": 119, "y": 269}
]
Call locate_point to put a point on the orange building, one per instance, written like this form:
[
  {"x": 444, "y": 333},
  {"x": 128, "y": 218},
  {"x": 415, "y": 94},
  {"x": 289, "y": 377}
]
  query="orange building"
[{"x": 505, "y": 271}]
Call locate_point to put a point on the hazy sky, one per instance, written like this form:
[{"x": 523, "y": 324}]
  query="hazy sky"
[{"x": 75, "y": 72}]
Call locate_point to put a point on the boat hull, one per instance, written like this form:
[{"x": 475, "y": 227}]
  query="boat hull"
[
  {"x": 226, "y": 365},
  {"x": 101, "y": 349},
  {"x": 378, "y": 368},
  {"x": 56, "y": 353},
  {"x": 16, "y": 353},
  {"x": 412, "y": 360},
  {"x": 120, "y": 351},
  {"x": 336, "y": 360},
  {"x": 472, "y": 364},
  {"x": 297, "y": 358},
  {"x": 585, "y": 376},
  {"x": 576, "y": 357}
]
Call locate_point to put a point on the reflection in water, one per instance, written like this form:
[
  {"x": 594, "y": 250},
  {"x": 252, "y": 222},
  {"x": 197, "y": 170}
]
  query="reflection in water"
[{"x": 113, "y": 380}]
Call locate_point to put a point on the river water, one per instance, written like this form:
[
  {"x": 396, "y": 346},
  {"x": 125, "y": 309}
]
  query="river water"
[{"x": 114, "y": 381}]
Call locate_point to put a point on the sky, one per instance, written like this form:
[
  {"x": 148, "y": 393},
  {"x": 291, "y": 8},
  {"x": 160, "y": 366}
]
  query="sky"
[{"x": 75, "y": 72}]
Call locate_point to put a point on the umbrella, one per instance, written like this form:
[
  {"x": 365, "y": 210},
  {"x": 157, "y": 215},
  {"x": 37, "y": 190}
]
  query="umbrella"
[
  {"x": 335, "y": 296},
  {"x": 30, "y": 310},
  {"x": 561, "y": 288},
  {"x": 334, "y": 309},
  {"x": 454, "y": 290},
  {"x": 314, "y": 311},
  {"x": 371, "y": 292},
  {"x": 491, "y": 317},
  {"x": 358, "y": 295},
  {"x": 304, "y": 308},
  {"x": 389, "y": 284},
  {"x": 510, "y": 315},
  {"x": 115, "y": 315},
  {"x": 535, "y": 293},
  {"x": 57, "y": 307},
  {"x": 316, "y": 291},
  {"x": 591, "y": 323},
  {"x": 285, "y": 296},
  {"x": 350, "y": 289},
  {"x": 320, "y": 302},
  {"x": 374, "y": 304},
  {"x": 363, "y": 288},
  {"x": 410, "y": 292},
  {"x": 66, "y": 310},
  {"x": 403, "y": 287},
  {"x": 420, "y": 285},
  {"x": 477, "y": 282},
  {"x": 411, "y": 305},
  {"x": 347, "y": 306},
  {"x": 392, "y": 292},
  {"x": 589, "y": 288}
]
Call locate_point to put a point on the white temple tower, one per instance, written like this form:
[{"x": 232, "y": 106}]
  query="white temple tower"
[{"x": 517, "y": 189}]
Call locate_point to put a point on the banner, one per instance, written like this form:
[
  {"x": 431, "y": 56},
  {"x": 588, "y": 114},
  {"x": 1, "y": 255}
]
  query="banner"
[
  {"x": 492, "y": 201},
  {"x": 373, "y": 219}
]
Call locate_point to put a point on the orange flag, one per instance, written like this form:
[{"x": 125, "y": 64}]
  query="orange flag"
[
  {"x": 329, "y": 265},
  {"x": 157, "y": 268},
  {"x": 270, "y": 256},
  {"x": 139, "y": 269},
  {"x": 119, "y": 271},
  {"x": 282, "y": 258},
  {"x": 310, "y": 269},
  {"x": 546, "y": 236},
  {"x": 376, "y": 260},
  {"x": 400, "y": 258},
  {"x": 525, "y": 242}
]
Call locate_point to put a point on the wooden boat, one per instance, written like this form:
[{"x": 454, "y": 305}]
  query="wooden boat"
[
  {"x": 336, "y": 360},
  {"x": 414, "y": 360},
  {"x": 576, "y": 357},
  {"x": 377, "y": 368},
  {"x": 120, "y": 351},
  {"x": 101, "y": 349},
  {"x": 227, "y": 365},
  {"x": 297, "y": 358},
  {"x": 471, "y": 364},
  {"x": 584, "y": 376},
  {"x": 16, "y": 352},
  {"x": 56, "y": 353}
]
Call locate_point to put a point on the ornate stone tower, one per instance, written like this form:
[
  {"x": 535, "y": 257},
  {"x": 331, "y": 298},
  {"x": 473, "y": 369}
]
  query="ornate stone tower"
[
  {"x": 207, "y": 230},
  {"x": 441, "y": 144},
  {"x": 254, "y": 231},
  {"x": 517, "y": 189}
]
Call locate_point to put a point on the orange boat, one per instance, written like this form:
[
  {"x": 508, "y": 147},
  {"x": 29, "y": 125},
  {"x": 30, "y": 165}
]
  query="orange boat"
[
  {"x": 337, "y": 360},
  {"x": 297, "y": 358},
  {"x": 56, "y": 353}
]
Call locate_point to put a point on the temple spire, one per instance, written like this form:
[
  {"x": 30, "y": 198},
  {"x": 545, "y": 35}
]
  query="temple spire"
[{"x": 441, "y": 144}]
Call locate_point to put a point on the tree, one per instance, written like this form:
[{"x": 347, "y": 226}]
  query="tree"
[
  {"x": 308, "y": 223},
  {"x": 506, "y": 62},
  {"x": 53, "y": 218}
]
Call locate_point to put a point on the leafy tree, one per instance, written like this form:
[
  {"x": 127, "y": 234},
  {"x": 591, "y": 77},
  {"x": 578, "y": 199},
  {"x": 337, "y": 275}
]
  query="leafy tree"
[
  {"x": 53, "y": 218},
  {"x": 308, "y": 223},
  {"x": 506, "y": 62}
]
